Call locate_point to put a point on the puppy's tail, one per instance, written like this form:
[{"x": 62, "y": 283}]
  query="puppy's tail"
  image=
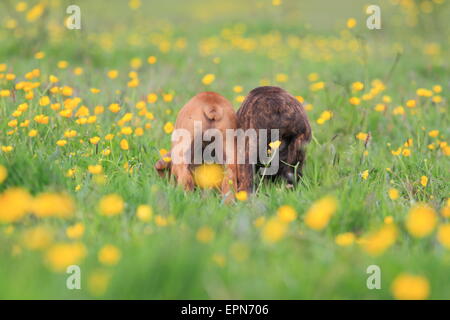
[{"x": 213, "y": 112}]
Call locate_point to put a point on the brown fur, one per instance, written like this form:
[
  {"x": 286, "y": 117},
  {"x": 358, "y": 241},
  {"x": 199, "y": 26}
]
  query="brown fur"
[
  {"x": 274, "y": 108},
  {"x": 214, "y": 111}
]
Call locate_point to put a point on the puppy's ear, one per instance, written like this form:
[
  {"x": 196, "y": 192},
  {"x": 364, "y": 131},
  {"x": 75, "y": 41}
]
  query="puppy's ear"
[{"x": 162, "y": 166}]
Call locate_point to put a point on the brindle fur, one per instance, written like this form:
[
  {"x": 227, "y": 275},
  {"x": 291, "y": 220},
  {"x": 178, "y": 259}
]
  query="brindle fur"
[{"x": 274, "y": 108}]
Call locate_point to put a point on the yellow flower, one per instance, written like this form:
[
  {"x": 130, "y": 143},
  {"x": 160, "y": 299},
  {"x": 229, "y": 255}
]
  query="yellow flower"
[
  {"x": 238, "y": 89},
  {"x": 35, "y": 12},
  {"x": 114, "y": 107},
  {"x": 32, "y": 133},
  {"x": 208, "y": 176},
  {"x": 112, "y": 74},
  {"x": 317, "y": 86},
  {"x": 379, "y": 241},
  {"x": 443, "y": 235},
  {"x": 124, "y": 144},
  {"x": 3, "y": 174},
  {"x": 14, "y": 204},
  {"x": 345, "y": 239},
  {"x": 275, "y": 145},
  {"x": 421, "y": 220},
  {"x": 109, "y": 255},
  {"x": 208, "y": 79},
  {"x": 286, "y": 214},
  {"x": 351, "y": 23},
  {"x": 365, "y": 174},
  {"x": 75, "y": 231},
  {"x": 53, "y": 205},
  {"x": 259, "y": 222},
  {"x": 393, "y": 194},
  {"x": 98, "y": 282},
  {"x": 144, "y": 213},
  {"x": 355, "y": 101},
  {"x": 274, "y": 230},
  {"x": 276, "y": 3},
  {"x": 389, "y": 220},
  {"x": 95, "y": 168},
  {"x": 219, "y": 260},
  {"x": 424, "y": 180},
  {"x": 37, "y": 238},
  {"x": 433, "y": 133},
  {"x": 410, "y": 287},
  {"x": 241, "y": 195},
  {"x": 357, "y": 86},
  {"x": 411, "y": 103},
  {"x": 61, "y": 143},
  {"x": 161, "y": 221},
  {"x": 320, "y": 212},
  {"x": 7, "y": 149},
  {"x": 205, "y": 234},
  {"x": 362, "y": 136},
  {"x": 62, "y": 255},
  {"x": 152, "y": 60},
  {"x": 152, "y": 98},
  {"x": 94, "y": 140},
  {"x": 281, "y": 77},
  {"x": 111, "y": 205}
]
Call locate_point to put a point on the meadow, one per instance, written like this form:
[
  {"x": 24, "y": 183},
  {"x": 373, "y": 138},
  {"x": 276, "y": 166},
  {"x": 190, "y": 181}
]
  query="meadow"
[{"x": 85, "y": 114}]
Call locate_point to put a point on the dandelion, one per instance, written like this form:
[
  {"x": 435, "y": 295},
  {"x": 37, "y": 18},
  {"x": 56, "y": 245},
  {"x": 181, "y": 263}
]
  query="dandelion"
[
  {"x": 281, "y": 77},
  {"x": 433, "y": 133},
  {"x": 152, "y": 98},
  {"x": 286, "y": 214},
  {"x": 48, "y": 204},
  {"x": 152, "y": 60},
  {"x": 424, "y": 181},
  {"x": 61, "y": 143},
  {"x": 354, "y": 101},
  {"x": 114, "y": 107},
  {"x": 75, "y": 231},
  {"x": 362, "y": 136},
  {"x": 205, "y": 234},
  {"x": 98, "y": 282},
  {"x": 393, "y": 194},
  {"x": 14, "y": 204},
  {"x": 168, "y": 127},
  {"x": 124, "y": 145},
  {"x": 208, "y": 176},
  {"x": 410, "y": 287},
  {"x": 275, "y": 145},
  {"x": 208, "y": 79},
  {"x": 109, "y": 255},
  {"x": 161, "y": 221},
  {"x": 274, "y": 230},
  {"x": 111, "y": 205},
  {"x": 357, "y": 86},
  {"x": 379, "y": 241},
  {"x": 62, "y": 255},
  {"x": 37, "y": 238},
  {"x": 365, "y": 174},
  {"x": 94, "y": 140},
  {"x": 421, "y": 220},
  {"x": 241, "y": 195},
  {"x": 345, "y": 239},
  {"x": 144, "y": 213},
  {"x": 351, "y": 23},
  {"x": 320, "y": 213},
  {"x": 112, "y": 74},
  {"x": 317, "y": 86},
  {"x": 95, "y": 169}
]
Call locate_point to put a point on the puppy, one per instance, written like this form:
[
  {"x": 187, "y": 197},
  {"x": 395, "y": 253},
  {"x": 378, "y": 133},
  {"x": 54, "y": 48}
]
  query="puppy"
[
  {"x": 274, "y": 108},
  {"x": 212, "y": 111}
]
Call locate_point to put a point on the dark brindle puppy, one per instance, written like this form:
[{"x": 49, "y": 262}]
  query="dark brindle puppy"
[{"x": 274, "y": 108}]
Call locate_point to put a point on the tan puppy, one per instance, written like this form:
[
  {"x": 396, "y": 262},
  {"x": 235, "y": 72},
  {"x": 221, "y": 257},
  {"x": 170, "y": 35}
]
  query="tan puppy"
[{"x": 212, "y": 111}]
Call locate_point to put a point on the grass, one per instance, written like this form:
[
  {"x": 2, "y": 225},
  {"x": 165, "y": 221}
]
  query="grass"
[{"x": 255, "y": 42}]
